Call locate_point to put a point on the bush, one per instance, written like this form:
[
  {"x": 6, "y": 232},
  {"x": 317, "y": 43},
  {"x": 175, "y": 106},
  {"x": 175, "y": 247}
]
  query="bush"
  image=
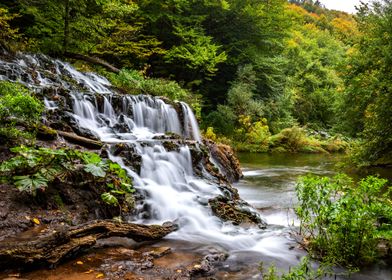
[
  {"x": 303, "y": 271},
  {"x": 133, "y": 82},
  {"x": 291, "y": 139},
  {"x": 18, "y": 107},
  {"x": 210, "y": 135},
  {"x": 342, "y": 223}
]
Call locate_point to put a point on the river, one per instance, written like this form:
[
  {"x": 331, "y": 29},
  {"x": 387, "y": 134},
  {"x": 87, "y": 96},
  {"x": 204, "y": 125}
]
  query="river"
[{"x": 269, "y": 185}]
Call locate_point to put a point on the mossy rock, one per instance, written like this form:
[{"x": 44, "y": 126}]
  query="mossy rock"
[
  {"x": 46, "y": 133},
  {"x": 234, "y": 211}
]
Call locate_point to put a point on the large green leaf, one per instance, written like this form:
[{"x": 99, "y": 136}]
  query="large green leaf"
[
  {"x": 91, "y": 158},
  {"x": 95, "y": 169},
  {"x": 30, "y": 184}
]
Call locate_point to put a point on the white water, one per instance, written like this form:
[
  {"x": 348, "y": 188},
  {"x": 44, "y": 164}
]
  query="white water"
[{"x": 173, "y": 192}]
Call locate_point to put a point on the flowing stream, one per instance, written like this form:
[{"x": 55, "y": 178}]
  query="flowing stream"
[{"x": 172, "y": 191}]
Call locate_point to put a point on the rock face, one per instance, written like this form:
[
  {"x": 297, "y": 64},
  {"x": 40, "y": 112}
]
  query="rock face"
[{"x": 225, "y": 158}]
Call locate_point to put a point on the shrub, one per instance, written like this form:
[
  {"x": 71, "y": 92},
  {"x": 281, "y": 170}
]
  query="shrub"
[
  {"x": 17, "y": 107},
  {"x": 303, "y": 271},
  {"x": 32, "y": 170},
  {"x": 259, "y": 133},
  {"x": 134, "y": 82},
  {"x": 342, "y": 223},
  {"x": 210, "y": 134},
  {"x": 291, "y": 139}
]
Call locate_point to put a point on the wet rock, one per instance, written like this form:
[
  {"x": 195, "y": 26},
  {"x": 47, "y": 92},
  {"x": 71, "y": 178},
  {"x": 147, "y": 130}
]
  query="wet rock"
[
  {"x": 167, "y": 136},
  {"x": 171, "y": 145},
  {"x": 236, "y": 211},
  {"x": 226, "y": 160},
  {"x": 159, "y": 252},
  {"x": 129, "y": 155},
  {"x": 207, "y": 265}
]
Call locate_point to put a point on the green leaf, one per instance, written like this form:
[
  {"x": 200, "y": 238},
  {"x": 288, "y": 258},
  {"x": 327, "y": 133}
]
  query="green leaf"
[
  {"x": 91, "y": 158},
  {"x": 127, "y": 187},
  {"x": 109, "y": 198},
  {"x": 117, "y": 192},
  {"x": 30, "y": 184},
  {"x": 95, "y": 170}
]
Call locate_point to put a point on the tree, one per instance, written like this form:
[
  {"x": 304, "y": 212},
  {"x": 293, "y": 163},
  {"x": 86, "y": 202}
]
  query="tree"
[
  {"x": 365, "y": 109},
  {"x": 7, "y": 32},
  {"x": 106, "y": 28}
]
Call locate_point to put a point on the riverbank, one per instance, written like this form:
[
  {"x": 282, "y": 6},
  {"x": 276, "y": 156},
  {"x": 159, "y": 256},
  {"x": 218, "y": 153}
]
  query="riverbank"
[{"x": 290, "y": 140}]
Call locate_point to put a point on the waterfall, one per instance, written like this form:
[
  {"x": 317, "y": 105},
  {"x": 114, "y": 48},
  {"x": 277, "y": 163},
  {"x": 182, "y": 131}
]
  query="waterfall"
[{"x": 166, "y": 178}]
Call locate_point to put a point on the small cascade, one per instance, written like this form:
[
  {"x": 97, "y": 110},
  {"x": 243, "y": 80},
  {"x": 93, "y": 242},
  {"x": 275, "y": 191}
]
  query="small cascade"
[
  {"x": 190, "y": 123},
  {"x": 167, "y": 179}
]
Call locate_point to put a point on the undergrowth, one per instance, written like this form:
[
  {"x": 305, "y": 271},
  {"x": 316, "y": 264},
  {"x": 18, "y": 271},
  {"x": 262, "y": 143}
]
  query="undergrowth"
[{"x": 33, "y": 170}]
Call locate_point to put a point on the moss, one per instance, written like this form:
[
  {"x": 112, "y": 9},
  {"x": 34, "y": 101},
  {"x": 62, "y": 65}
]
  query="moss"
[
  {"x": 231, "y": 210},
  {"x": 58, "y": 200},
  {"x": 46, "y": 133},
  {"x": 311, "y": 149},
  {"x": 279, "y": 150}
]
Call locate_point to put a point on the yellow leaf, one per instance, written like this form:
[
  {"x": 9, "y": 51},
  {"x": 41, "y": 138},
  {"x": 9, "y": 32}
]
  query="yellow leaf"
[
  {"x": 100, "y": 275},
  {"x": 79, "y": 262},
  {"x": 36, "y": 221},
  {"x": 88, "y": 272}
]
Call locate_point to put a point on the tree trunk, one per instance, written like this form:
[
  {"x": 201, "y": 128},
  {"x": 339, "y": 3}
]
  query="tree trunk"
[
  {"x": 83, "y": 141},
  {"x": 54, "y": 244},
  {"x": 66, "y": 26},
  {"x": 94, "y": 60}
]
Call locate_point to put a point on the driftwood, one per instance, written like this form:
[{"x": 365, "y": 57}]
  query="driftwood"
[
  {"x": 85, "y": 142},
  {"x": 94, "y": 60},
  {"x": 53, "y": 245}
]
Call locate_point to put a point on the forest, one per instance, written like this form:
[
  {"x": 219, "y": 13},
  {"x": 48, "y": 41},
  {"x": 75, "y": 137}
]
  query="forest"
[{"x": 261, "y": 76}]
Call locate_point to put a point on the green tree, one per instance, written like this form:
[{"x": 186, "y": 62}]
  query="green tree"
[
  {"x": 106, "y": 28},
  {"x": 7, "y": 32},
  {"x": 314, "y": 56},
  {"x": 365, "y": 108}
]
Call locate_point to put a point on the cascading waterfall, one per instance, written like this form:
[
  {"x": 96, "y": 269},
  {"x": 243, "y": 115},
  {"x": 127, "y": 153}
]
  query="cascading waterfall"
[{"x": 173, "y": 192}]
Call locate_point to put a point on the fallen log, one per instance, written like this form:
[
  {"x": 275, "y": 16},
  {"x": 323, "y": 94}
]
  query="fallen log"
[
  {"x": 52, "y": 245},
  {"x": 94, "y": 60},
  {"x": 85, "y": 142}
]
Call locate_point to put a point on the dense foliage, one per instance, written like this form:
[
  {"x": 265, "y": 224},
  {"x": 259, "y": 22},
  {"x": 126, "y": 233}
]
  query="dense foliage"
[
  {"x": 259, "y": 67},
  {"x": 367, "y": 102},
  {"x": 20, "y": 110},
  {"x": 33, "y": 170},
  {"x": 342, "y": 223}
]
